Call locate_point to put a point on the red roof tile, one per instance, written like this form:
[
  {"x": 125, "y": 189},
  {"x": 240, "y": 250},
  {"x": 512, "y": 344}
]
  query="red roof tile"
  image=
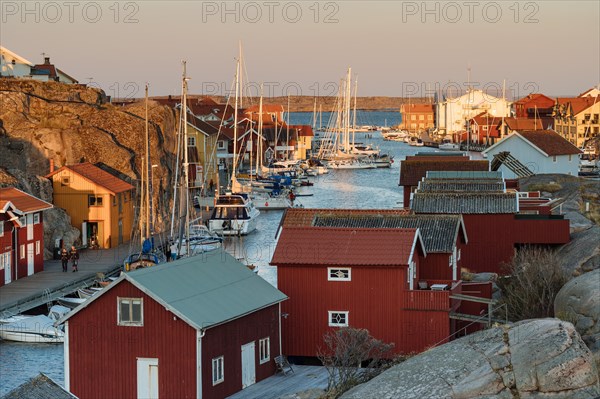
[
  {"x": 98, "y": 176},
  {"x": 523, "y": 123},
  {"x": 534, "y": 97},
  {"x": 550, "y": 142},
  {"x": 303, "y": 217},
  {"x": 415, "y": 169},
  {"x": 345, "y": 246},
  {"x": 24, "y": 202},
  {"x": 578, "y": 104}
]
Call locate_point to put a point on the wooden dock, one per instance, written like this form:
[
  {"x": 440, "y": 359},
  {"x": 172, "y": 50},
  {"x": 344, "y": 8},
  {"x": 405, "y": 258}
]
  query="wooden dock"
[
  {"x": 52, "y": 283},
  {"x": 303, "y": 378}
]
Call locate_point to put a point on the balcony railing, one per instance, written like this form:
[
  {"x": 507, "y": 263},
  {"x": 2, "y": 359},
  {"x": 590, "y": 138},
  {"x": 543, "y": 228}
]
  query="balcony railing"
[{"x": 428, "y": 299}]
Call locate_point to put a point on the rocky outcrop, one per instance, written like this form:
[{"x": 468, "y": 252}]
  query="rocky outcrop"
[
  {"x": 582, "y": 254},
  {"x": 543, "y": 358},
  {"x": 579, "y": 302},
  {"x": 43, "y": 121}
]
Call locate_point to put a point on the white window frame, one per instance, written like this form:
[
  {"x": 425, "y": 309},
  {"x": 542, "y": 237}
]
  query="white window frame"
[
  {"x": 450, "y": 260},
  {"x": 36, "y": 218},
  {"x": 191, "y": 141},
  {"x": 458, "y": 255},
  {"x": 332, "y": 323},
  {"x": 221, "y": 145},
  {"x": 553, "y": 158},
  {"x": 218, "y": 370},
  {"x": 22, "y": 250},
  {"x": 1, "y": 228},
  {"x": 264, "y": 350},
  {"x": 335, "y": 278},
  {"x": 38, "y": 247},
  {"x": 130, "y": 323}
]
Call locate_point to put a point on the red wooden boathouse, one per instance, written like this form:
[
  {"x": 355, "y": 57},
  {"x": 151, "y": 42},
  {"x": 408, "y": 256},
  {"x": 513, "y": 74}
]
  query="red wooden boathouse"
[
  {"x": 200, "y": 327},
  {"x": 21, "y": 234},
  {"x": 359, "y": 277}
]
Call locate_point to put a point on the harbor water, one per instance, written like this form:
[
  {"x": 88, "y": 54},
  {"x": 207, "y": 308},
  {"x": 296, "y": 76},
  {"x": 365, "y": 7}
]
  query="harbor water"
[{"x": 368, "y": 188}]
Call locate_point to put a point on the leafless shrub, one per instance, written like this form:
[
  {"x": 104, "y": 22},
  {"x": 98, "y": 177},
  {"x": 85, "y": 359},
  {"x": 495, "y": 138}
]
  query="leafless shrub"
[
  {"x": 535, "y": 277},
  {"x": 351, "y": 356}
]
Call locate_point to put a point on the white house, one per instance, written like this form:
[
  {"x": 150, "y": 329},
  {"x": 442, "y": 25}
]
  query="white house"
[
  {"x": 452, "y": 113},
  {"x": 15, "y": 66},
  {"x": 541, "y": 151}
]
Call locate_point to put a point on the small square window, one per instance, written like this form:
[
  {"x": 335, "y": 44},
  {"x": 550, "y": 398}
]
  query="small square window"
[
  {"x": 37, "y": 247},
  {"x": 338, "y": 319},
  {"x": 22, "y": 251},
  {"x": 65, "y": 181},
  {"x": 338, "y": 274},
  {"x": 94, "y": 200},
  {"x": 1, "y": 228},
  {"x": 36, "y": 218},
  {"x": 221, "y": 145},
  {"x": 191, "y": 141},
  {"x": 264, "y": 348},
  {"x": 554, "y": 158},
  {"x": 130, "y": 311},
  {"x": 218, "y": 374}
]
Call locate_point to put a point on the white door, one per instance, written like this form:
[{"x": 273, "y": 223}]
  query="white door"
[
  {"x": 30, "y": 262},
  {"x": 6, "y": 262},
  {"x": 248, "y": 365},
  {"x": 147, "y": 378}
]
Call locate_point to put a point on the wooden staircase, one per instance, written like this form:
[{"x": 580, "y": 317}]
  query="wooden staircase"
[{"x": 512, "y": 163}]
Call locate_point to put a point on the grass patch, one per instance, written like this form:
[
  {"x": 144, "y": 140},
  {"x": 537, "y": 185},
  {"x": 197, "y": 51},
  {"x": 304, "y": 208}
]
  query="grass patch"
[{"x": 547, "y": 187}]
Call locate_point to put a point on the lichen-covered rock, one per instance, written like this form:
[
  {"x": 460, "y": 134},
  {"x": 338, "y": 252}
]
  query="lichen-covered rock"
[
  {"x": 542, "y": 358},
  {"x": 578, "y": 301}
]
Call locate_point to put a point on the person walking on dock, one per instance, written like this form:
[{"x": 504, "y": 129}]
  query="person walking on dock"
[
  {"x": 74, "y": 258},
  {"x": 64, "y": 257}
]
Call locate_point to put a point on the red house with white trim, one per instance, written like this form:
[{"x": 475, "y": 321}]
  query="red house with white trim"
[
  {"x": 359, "y": 277},
  {"x": 21, "y": 234},
  {"x": 200, "y": 327}
]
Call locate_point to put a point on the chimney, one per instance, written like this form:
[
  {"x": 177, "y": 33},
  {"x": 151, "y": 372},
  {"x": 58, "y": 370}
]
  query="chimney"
[
  {"x": 46, "y": 60},
  {"x": 51, "y": 165}
]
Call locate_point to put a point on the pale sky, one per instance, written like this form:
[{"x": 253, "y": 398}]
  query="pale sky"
[{"x": 397, "y": 48}]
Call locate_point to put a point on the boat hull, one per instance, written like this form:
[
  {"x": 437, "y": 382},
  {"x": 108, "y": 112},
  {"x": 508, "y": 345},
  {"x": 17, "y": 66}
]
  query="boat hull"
[
  {"x": 20, "y": 336},
  {"x": 232, "y": 227}
]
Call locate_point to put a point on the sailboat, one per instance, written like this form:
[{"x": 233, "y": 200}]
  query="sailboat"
[
  {"x": 149, "y": 255},
  {"x": 275, "y": 198},
  {"x": 234, "y": 212},
  {"x": 194, "y": 238}
]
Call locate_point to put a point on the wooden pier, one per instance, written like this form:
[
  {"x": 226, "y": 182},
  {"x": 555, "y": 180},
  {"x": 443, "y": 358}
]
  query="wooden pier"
[{"x": 52, "y": 283}]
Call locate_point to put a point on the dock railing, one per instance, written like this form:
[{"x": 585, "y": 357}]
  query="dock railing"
[{"x": 428, "y": 299}]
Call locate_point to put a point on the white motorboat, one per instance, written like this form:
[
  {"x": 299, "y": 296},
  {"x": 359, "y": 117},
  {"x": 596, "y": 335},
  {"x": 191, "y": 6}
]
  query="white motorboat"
[
  {"x": 419, "y": 143},
  {"x": 269, "y": 202},
  {"x": 55, "y": 313},
  {"x": 201, "y": 240},
  {"x": 233, "y": 214},
  {"x": 70, "y": 303},
  {"x": 364, "y": 150},
  {"x": 350, "y": 164},
  {"x": 86, "y": 293},
  {"x": 448, "y": 145},
  {"x": 39, "y": 329}
]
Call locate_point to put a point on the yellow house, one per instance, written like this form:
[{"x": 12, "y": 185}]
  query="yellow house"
[
  {"x": 577, "y": 119},
  {"x": 202, "y": 155},
  {"x": 98, "y": 202}
]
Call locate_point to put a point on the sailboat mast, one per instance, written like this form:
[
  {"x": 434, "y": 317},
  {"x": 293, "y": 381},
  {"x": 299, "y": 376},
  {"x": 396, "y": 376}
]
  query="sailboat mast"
[
  {"x": 354, "y": 119},
  {"x": 347, "y": 111},
  {"x": 235, "y": 119},
  {"x": 147, "y": 186},
  {"x": 314, "y": 124},
  {"x": 186, "y": 161},
  {"x": 260, "y": 130},
  {"x": 287, "y": 140},
  {"x": 142, "y": 199}
]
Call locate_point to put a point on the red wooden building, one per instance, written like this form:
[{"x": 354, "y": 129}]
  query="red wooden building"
[
  {"x": 498, "y": 220},
  {"x": 21, "y": 234},
  {"x": 414, "y": 168},
  {"x": 200, "y": 327},
  {"x": 359, "y": 277},
  {"x": 484, "y": 129},
  {"x": 535, "y": 106}
]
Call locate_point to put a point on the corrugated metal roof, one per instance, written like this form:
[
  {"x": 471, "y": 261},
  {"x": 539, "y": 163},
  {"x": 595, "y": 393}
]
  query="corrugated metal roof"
[
  {"x": 414, "y": 169},
  {"x": 39, "y": 387},
  {"x": 297, "y": 217},
  {"x": 488, "y": 185},
  {"x": 466, "y": 203},
  {"x": 439, "y": 232},
  {"x": 206, "y": 290},
  {"x": 345, "y": 246},
  {"x": 464, "y": 175}
]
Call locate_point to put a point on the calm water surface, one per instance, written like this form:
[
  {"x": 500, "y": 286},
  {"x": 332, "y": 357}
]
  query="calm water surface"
[{"x": 370, "y": 188}]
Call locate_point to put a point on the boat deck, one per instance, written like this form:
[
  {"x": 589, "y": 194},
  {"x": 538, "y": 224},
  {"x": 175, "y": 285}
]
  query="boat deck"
[
  {"x": 40, "y": 288},
  {"x": 303, "y": 378}
]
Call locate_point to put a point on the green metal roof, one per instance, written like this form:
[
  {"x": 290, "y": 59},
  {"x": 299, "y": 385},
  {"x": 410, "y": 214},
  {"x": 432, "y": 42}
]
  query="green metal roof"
[
  {"x": 471, "y": 174},
  {"x": 206, "y": 290}
]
